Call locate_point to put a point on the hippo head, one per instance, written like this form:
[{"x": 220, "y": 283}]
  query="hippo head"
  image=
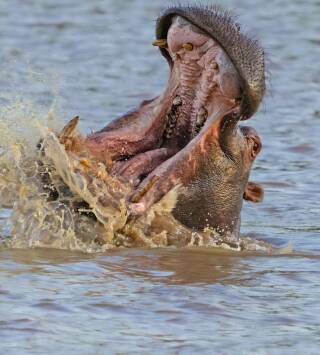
[
  {"x": 213, "y": 196},
  {"x": 245, "y": 53},
  {"x": 189, "y": 135}
]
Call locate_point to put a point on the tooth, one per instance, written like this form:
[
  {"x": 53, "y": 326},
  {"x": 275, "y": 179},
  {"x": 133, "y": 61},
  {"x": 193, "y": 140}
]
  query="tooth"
[
  {"x": 162, "y": 43},
  {"x": 171, "y": 119},
  {"x": 215, "y": 65},
  {"x": 100, "y": 174},
  {"x": 177, "y": 101},
  {"x": 202, "y": 115},
  {"x": 188, "y": 46},
  {"x": 238, "y": 100},
  {"x": 203, "y": 111},
  {"x": 85, "y": 162},
  {"x": 68, "y": 130}
]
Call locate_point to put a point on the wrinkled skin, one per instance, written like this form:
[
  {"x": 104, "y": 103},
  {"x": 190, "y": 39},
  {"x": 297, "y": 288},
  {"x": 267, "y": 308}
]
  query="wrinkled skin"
[{"x": 189, "y": 135}]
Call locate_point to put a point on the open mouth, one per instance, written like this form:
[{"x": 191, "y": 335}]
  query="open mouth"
[
  {"x": 203, "y": 81},
  {"x": 215, "y": 73},
  {"x": 203, "y": 87}
]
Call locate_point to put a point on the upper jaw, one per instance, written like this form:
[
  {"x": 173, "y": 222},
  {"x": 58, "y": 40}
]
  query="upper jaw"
[
  {"x": 204, "y": 81},
  {"x": 246, "y": 54}
]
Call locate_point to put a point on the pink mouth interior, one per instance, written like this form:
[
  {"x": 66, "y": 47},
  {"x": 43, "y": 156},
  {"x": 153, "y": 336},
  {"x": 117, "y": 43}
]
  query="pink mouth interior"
[{"x": 203, "y": 83}]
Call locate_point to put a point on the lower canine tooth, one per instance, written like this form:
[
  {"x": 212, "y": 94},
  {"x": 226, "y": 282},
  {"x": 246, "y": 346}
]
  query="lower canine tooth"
[
  {"x": 188, "y": 46},
  {"x": 202, "y": 116}
]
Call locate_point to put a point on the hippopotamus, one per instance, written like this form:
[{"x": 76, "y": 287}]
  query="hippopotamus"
[{"x": 189, "y": 136}]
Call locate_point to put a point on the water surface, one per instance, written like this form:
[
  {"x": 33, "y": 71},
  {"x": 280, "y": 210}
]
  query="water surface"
[{"x": 94, "y": 59}]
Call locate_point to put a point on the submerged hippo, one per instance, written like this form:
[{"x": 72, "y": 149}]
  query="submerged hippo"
[{"x": 189, "y": 135}]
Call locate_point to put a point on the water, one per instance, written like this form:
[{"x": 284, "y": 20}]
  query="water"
[{"x": 94, "y": 59}]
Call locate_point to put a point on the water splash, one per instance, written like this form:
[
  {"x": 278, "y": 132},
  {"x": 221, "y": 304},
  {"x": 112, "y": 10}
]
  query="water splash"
[{"x": 46, "y": 194}]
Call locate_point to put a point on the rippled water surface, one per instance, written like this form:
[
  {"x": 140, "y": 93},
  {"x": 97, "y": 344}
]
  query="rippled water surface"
[{"x": 94, "y": 59}]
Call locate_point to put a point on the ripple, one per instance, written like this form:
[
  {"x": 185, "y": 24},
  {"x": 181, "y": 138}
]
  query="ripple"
[{"x": 170, "y": 301}]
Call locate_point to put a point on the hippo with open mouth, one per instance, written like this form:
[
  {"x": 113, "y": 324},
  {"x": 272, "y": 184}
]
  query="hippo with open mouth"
[{"x": 189, "y": 135}]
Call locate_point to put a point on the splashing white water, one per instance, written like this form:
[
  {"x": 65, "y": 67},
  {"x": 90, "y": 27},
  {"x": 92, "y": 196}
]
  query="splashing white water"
[{"x": 40, "y": 220}]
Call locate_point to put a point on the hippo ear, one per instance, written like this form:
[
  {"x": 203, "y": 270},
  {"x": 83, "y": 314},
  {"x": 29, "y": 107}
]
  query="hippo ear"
[{"x": 253, "y": 192}]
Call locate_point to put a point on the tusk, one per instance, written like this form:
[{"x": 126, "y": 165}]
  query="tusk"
[
  {"x": 162, "y": 43},
  {"x": 188, "y": 46},
  {"x": 68, "y": 130}
]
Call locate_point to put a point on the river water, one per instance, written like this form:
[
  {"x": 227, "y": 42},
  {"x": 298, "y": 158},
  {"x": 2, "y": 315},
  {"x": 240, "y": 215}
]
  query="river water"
[{"x": 95, "y": 59}]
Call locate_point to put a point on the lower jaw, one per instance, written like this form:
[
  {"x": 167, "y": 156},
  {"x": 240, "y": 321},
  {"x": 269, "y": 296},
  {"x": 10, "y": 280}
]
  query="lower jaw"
[
  {"x": 174, "y": 120},
  {"x": 203, "y": 82},
  {"x": 182, "y": 121}
]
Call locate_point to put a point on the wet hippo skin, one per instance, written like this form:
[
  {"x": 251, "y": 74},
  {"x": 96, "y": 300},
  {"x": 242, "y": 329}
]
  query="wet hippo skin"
[{"x": 190, "y": 136}]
